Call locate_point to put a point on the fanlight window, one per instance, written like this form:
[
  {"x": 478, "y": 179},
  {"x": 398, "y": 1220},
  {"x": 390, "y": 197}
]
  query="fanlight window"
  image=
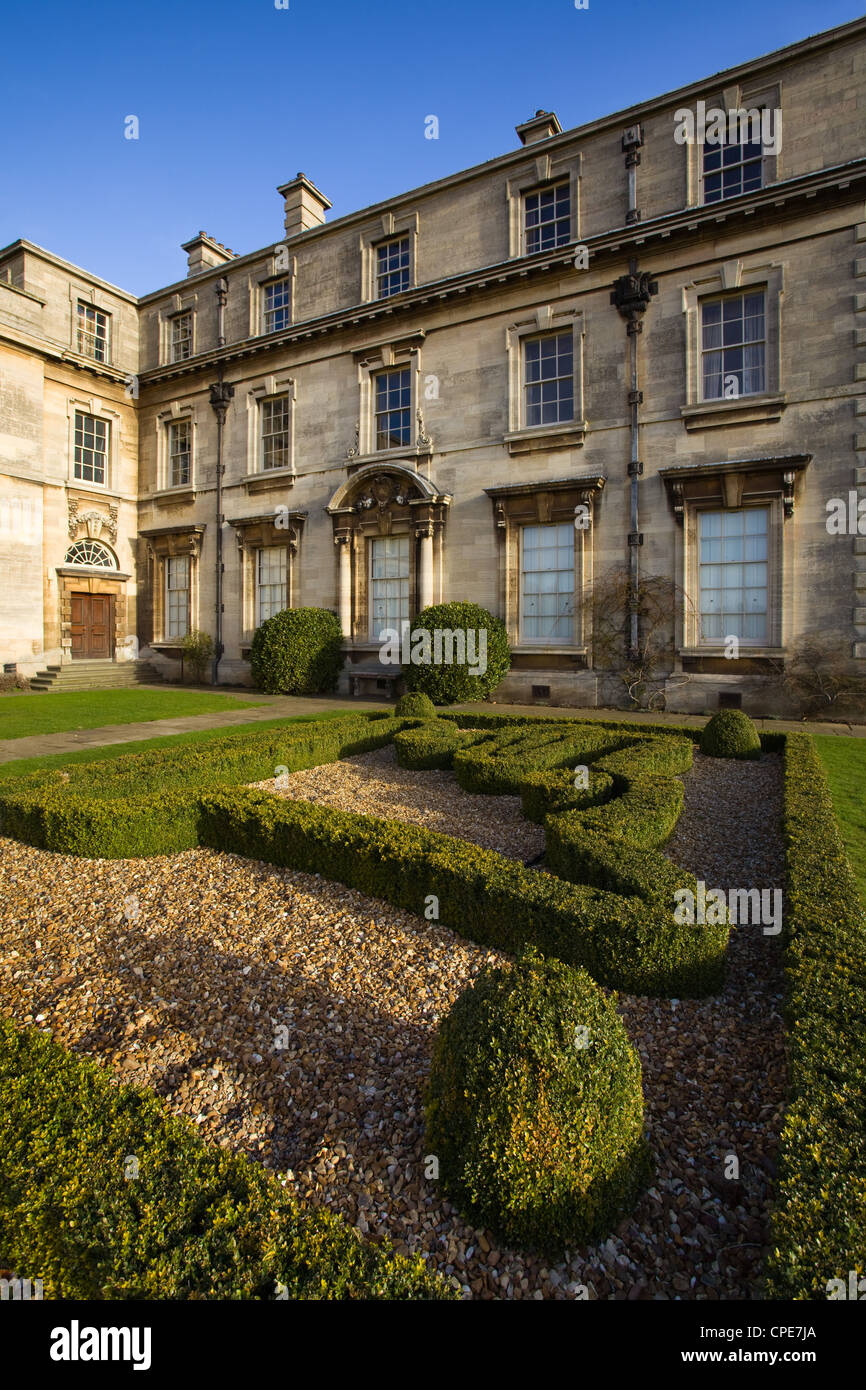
[{"x": 92, "y": 553}]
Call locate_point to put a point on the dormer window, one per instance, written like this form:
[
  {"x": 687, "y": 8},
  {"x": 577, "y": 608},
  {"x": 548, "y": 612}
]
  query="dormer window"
[
  {"x": 92, "y": 332},
  {"x": 732, "y": 169},
  {"x": 276, "y": 306},
  {"x": 392, "y": 267},
  {"x": 181, "y": 337},
  {"x": 547, "y": 218}
]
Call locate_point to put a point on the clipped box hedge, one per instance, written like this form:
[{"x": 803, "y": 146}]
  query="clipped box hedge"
[
  {"x": 535, "y": 1108},
  {"x": 818, "y": 1228},
  {"x": 148, "y": 803},
  {"x": 629, "y": 943},
  {"x": 196, "y": 1223},
  {"x": 626, "y": 937}
]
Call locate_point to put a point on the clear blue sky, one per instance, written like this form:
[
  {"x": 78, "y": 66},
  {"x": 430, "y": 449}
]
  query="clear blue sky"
[{"x": 235, "y": 98}]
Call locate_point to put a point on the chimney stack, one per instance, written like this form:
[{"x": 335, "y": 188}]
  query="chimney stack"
[
  {"x": 203, "y": 253},
  {"x": 543, "y": 125},
  {"x": 305, "y": 205}
]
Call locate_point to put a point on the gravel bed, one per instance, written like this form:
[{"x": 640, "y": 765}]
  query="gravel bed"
[
  {"x": 373, "y": 784},
  {"x": 181, "y": 973}
]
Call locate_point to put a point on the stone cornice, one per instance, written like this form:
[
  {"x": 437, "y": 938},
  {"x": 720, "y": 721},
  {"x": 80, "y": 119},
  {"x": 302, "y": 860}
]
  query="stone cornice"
[
  {"x": 637, "y": 238},
  {"x": 555, "y": 144},
  {"x": 56, "y": 352}
]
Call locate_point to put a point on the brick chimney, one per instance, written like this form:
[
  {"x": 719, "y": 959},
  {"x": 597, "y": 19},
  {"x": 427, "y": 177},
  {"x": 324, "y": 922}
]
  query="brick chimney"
[
  {"x": 305, "y": 205},
  {"x": 543, "y": 125},
  {"x": 203, "y": 253}
]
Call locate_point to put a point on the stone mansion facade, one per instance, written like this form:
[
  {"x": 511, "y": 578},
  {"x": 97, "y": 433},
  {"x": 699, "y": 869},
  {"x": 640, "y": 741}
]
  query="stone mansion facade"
[{"x": 610, "y": 347}]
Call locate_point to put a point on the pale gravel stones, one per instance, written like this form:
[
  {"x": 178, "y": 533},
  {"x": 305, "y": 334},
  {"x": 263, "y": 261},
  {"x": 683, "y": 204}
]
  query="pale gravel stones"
[
  {"x": 373, "y": 784},
  {"x": 183, "y": 972}
]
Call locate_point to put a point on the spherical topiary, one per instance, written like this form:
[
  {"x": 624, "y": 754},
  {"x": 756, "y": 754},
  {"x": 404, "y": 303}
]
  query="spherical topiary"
[
  {"x": 534, "y": 1107},
  {"x": 465, "y": 656},
  {"x": 730, "y": 734},
  {"x": 415, "y": 705},
  {"x": 297, "y": 652}
]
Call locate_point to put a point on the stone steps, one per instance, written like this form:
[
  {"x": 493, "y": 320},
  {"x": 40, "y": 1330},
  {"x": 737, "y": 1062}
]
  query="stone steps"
[{"x": 96, "y": 675}]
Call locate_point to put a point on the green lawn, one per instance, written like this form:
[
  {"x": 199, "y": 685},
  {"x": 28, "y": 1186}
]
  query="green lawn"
[
  {"x": 19, "y": 766},
  {"x": 844, "y": 761},
  {"x": 46, "y": 713}
]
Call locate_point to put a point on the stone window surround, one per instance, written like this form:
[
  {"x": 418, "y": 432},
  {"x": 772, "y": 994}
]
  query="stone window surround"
[
  {"x": 356, "y": 519},
  {"x": 401, "y": 353},
  {"x": 164, "y": 419},
  {"x": 387, "y": 228},
  {"x": 88, "y": 295},
  {"x": 547, "y": 318},
  {"x": 268, "y": 388},
  {"x": 186, "y": 303},
  {"x": 732, "y": 485},
  {"x": 543, "y": 169},
  {"x": 95, "y": 406},
  {"x": 163, "y": 542},
  {"x": 281, "y": 265},
  {"x": 692, "y": 641},
  {"x": 542, "y": 503},
  {"x": 758, "y": 94},
  {"x": 253, "y": 533},
  {"x": 734, "y": 277}
]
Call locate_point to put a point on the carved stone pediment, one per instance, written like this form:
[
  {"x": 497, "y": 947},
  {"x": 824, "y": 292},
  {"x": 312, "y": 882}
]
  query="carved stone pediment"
[
  {"x": 92, "y": 524},
  {"x": 384, "y": 491}
]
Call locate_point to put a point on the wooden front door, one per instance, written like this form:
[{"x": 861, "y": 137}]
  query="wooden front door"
[{"x": 92, "y": 626}]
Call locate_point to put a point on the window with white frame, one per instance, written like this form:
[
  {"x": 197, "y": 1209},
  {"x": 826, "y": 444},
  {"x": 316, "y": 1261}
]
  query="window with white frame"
[
  {"x": 547, "y": 583},
  {"x": 181, "y": 337},
  {"x": 733, "y": 346},
  {"x": 276, "y": 306},
  {"x": 393, "y": 394},
  {"x": 271, "y": 591},
  {"x": 389, "y": 583},
  {"x": 547, "y": 218},
  {"x": 91, "y": 553},
  {"x": 731, "y": 169},
  {"x": 548, "y": 379},
  {"x": 733, "y": 562},
  {"x": 176, "y": 596},
  {"x": 392, "y": 267},
  {"x": 180, "y": 453},
  {"x": 92, "y": 332},
  {"x": 275, "y": 433},
  {"x": 92, "y": 437}
]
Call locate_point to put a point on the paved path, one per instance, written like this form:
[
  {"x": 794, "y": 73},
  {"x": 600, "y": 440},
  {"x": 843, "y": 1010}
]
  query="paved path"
[
  {"x": 285, "y": 706},
  {"x": 275, "y": 707}
]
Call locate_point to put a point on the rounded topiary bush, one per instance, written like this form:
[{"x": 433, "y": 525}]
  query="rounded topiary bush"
[
  {"x": 476, "y": 643},
  {"x": 297, "y": 652},
  {"x": 730, "y": 734},
  {"x": 534, "y": 1107},
  {"x": 415, "y": 705}
]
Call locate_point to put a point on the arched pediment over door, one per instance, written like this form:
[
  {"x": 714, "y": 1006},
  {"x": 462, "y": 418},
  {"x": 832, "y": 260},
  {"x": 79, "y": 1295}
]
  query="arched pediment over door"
[{"x": 389, "y": 524}]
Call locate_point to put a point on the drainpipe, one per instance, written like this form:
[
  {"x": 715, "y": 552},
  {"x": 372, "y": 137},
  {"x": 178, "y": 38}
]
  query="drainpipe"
[
  {"x": 221, "y": 392},
  {"x": 631, "y": 295},
  {"x": 632, "y": 140}
]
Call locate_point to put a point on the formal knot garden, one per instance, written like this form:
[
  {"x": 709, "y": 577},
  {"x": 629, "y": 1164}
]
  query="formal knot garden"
[{"x": 433, "y": 1005}]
